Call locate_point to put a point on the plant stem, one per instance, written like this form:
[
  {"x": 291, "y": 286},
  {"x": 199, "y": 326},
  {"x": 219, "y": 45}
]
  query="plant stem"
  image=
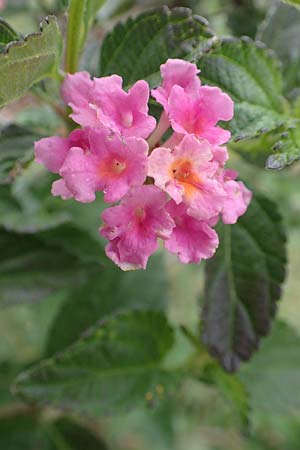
[{"x": 75, "y": 33}]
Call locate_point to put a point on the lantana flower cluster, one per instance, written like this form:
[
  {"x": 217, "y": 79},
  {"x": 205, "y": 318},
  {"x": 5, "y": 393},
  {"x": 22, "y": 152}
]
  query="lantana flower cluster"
[{"x": 168, "y": 177}]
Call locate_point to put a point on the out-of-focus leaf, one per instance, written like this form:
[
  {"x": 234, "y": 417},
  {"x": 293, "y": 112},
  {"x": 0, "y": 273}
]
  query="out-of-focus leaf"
[
  {"x": 136, "y": 49},
  {"x": 105, "y": 293},
  {"x": 8, "y": 373},
  {"x": 28, "y": 61},
  {"x": 293, "y": 2},
  {"x": 251, "y": 76},
  {"x": 243, "y": 17},
  {"x": 280, "y": 32},
  {"x": 25, "y": 431},
  {"x": 16, "y": 149},
  {"x": 243, "y": 283},
  {"x": 7, "y": 34},
  {"x": 32, "y": 268},
  {"x": 116, "y": 366},
  {"x": 272, "y": 377}
]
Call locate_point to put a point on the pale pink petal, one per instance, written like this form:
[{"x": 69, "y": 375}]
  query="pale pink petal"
[
  {"x": 236, "y": 202},
  {"x": 60, "y": 189},
  {"x": 216, "y": 104},
  {"x": 51, "y": 152},
  {"x": 80, "y": 174},
  {"x": 192, "y": 240},
  {"x": 134, "y": 226},
  {"x": 176, "y": 72},
  {"x": 160, "y": 162}
]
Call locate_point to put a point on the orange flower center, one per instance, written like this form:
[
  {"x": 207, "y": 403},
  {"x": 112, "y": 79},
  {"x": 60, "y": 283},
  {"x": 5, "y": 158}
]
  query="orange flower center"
[{"x": 182, "y": 171}]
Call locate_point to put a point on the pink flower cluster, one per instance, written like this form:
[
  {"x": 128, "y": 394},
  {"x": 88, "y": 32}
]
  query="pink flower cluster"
[{"x": 170, "y": 178}]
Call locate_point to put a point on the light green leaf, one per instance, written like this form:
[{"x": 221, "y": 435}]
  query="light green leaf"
[
  {"x": 7, "y": 34},
  {"x": 136, "y": 49},
  {"x": 16, "y": 149},
  {"x": 272, "y": 377},
  {"x": 116, "y": 366},
  {"x": 251, "y": 76},
  {"x": 243, "y": 284},
  {"x": 104, "y": 294},
  {"x": 293, "y": 2},
  {"x": 26, "y": 62}
]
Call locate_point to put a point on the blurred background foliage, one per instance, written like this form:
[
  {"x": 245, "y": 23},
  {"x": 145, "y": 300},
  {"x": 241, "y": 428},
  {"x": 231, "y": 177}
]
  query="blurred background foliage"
[{"x": 199, "y": 417}]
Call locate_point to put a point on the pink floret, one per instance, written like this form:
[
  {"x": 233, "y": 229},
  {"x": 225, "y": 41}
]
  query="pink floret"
[
  {"x": 199, "y": 113},
  {"x": 188, "y": 174},
  {"x": 52, "y": 151},
  {"x": 237, "y": 199},
  {"x": 176, "y": 72},
  {"x": 191, "y": 239},
  {"x": 134, "y": 226},
  {"x": 112, "y": 165},
  {"x": 103, "y": 102}
]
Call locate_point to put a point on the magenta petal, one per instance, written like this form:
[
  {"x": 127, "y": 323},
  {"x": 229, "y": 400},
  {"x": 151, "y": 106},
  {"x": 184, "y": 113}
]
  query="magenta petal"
[{"x": 51, "y": 152}]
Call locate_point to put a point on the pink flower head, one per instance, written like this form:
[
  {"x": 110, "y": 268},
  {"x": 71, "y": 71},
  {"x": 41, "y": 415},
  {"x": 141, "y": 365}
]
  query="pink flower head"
[
  {"x": 237, "y": 199},
  {"x": 188, "y": 174},
  {"x": 176, "y": 72},
  {"x": 191, "y": 239},
  {"x": 199, "y": 113},
  {"x": 102, "y": 101},
  {"x": 112, "y": 165},
  {"x": 134, "y": 226}
]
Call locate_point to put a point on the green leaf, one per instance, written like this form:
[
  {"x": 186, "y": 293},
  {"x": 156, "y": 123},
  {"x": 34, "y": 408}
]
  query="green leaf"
[
  {"x": 32, "y": 268},
  {"x": 293, "y": 2},
  {"x": 272, "y": 377},
  {"x": 7, "y": 34},
  {"x": 104, "y": 294},
  {"x": 26, "y": 62},
  {"x": 251, "y": 76},
  {"x": 285, "y": 19},
  {"x": 116, "y": 366},
  {"x": 25, "y": 431},
  {"x": 286, "y": 150},
  {"x": 136, "y": 49},
  {"x": 233, "y": 390},
  {"x": 243, "y": 283},
  {"x": 16, "y": 149}
]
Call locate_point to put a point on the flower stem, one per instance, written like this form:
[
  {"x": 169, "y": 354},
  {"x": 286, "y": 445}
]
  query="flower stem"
[
  {"x": 159, "y": 131},
  {"x": 75, "y": 32}
]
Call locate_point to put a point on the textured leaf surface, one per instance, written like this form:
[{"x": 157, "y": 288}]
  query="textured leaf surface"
[
  {"x": 285, "y": 19},
  {"x": 16, "y": 149},
  {"x": 286, "y": 150},
  {"x": 7, "y": 34},
  {"x": 136, "y": 49},
  {"x": 26, "y": 62},
  {"x": 32, "y": 268},
  {"x": 252, "y": 78},
  {"x": 26, "y": 432},
  {"x": 110, "y": 370},
  {"x": 105, "y": 293},
  {"x": 272, "y": 377},
  {"x": 243, "y": 283}
]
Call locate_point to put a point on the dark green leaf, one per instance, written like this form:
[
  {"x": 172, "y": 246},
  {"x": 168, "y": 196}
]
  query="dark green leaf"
[
  {"x": 251, "y": 76},
  {"x": 105, "y": 293},
  {"x": 26, "y": 62},
  {"x": 243, "y": 283},
  {"x": 136, "y": 49},
  {"x": 272, "y": 377},
  {"x": 16, "y": 149},
  {"x": 25, "y": 431},
  {"x": 7, "y": 34},
  {"x": 285, "y": 19},
  {"x": 33, "y": 267},
  {"x": 118, "y": 365}
]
